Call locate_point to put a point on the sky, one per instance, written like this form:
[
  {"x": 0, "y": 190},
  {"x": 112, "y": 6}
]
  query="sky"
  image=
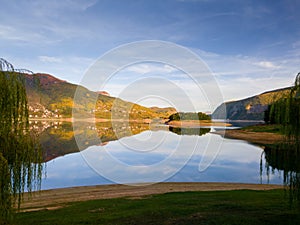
[{"x": 248, "y": 46}]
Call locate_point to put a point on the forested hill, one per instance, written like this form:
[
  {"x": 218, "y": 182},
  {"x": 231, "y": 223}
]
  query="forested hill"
[
  {"x": 251, "y": 108},
  {"x": 50, "y": 97}
]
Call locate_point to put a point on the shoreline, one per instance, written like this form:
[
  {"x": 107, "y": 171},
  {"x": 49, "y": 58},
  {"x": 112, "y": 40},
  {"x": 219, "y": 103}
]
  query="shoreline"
[
  {"x": 58, "y": 198},
  {"x": 195, "y": 123},
  {"x": 262, "y": 138},
  {"x": 175, "y": 124},
  {"x": 91, "y": 120}
]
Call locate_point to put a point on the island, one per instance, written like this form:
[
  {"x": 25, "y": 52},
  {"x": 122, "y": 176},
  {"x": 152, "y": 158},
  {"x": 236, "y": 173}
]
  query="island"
[{"x": 192, "y": 119}]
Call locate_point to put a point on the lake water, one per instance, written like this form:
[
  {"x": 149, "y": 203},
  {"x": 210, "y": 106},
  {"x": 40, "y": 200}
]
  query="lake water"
[{"x": 107, "y": 153}]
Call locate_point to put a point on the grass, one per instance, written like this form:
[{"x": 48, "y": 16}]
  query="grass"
[
  {"x": 271, "y": 128},
  {"x": 218, "y": 207}
]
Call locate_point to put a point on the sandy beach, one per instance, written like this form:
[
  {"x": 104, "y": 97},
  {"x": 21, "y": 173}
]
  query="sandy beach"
[{"x": 57, "y": 198}]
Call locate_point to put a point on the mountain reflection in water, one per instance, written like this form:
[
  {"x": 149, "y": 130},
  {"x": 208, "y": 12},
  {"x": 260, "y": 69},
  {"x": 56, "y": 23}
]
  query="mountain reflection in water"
[
  {"x": 57, "y": 138},
  {"x": 189, "y": 131},
  {"x": 145, "y": 145}
]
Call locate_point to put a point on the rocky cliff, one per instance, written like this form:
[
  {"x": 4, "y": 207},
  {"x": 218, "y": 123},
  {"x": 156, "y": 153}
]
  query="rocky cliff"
[{"x": 251, "y": 108}]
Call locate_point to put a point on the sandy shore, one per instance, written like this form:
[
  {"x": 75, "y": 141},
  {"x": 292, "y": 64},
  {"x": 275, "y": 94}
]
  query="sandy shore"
[
  {"x": 57, "y": 198},
  {"x": 196, "y": 123},
  {"x": 253, "y": 137}
]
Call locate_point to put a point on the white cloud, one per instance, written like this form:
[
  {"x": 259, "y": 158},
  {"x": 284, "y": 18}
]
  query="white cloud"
[
  {"x": 45, "y": 22},
  {"x": 243, "y": 87},
  {"x": 143, "y": 68},
  {"x": 70, "y": 68},
  {"x": 238, "y": 65},
  {"x": 11, "y": 33},
  {"x": 241, "y": 76},
  {"x": 267, "y": 65},
  {"x": 45, "y": 7},
  {"x": 6, "y": 32},
  {"x": 50, "y": 59},
  {"x": 296, "y": 44},
  {"x": 238, "y": 77},
  {"x": 183, "y": 94}
]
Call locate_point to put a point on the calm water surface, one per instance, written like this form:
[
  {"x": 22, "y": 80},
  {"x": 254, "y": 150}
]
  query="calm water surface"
[{"x": 133, "y": 153}]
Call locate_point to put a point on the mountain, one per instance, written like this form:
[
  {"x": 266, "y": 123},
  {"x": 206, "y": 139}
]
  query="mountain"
[
  {"x": 251, "y": 108},
  {"x": 50, "y": 97},
  {"x": 164, "y": 112}
]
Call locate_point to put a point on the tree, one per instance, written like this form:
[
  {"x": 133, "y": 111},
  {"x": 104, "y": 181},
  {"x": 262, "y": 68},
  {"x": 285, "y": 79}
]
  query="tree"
[
  {"x": 286, "y": 112},
  {"x": 20, "y": 155},
  {"x": 189, "y": 116}
]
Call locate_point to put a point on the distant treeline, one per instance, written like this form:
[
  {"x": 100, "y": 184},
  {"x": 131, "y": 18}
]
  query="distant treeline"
[{"x": 189, "y": 116}]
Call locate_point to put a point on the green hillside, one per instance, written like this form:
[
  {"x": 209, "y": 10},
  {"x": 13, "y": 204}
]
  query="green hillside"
[
  {"x": 164, "y": 112},
  {"x": 50, "y": 97},
  {"x": 250, "y": 108}
]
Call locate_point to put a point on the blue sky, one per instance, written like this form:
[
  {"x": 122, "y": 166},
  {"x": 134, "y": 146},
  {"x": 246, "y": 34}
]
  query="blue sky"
[{"x": 250, "y": 46}]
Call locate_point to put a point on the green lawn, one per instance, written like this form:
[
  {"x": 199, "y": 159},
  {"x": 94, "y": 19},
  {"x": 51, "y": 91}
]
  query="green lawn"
[{"x": 219, "y": 207}]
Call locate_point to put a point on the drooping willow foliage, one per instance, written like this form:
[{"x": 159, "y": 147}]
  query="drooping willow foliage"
[
  {"x": 286, "y": 112},
  {"x": 20, "y": 155},
  {"x": 281, "y": 158}
]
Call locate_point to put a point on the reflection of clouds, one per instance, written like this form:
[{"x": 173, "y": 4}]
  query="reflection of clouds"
[
  {"x": 128, "y": 166},
  {"x": 237, "y": 161},
  {"x": 235, "y": 157},
  {"x": 239, "y": 151},
  {"x": 120, "y": 164},
  {"x": 147, "y": 141},
  {"x": 169, "y": 145},
  {"x": 272, "y": 177},
  {"x": 67, "y": 171}
]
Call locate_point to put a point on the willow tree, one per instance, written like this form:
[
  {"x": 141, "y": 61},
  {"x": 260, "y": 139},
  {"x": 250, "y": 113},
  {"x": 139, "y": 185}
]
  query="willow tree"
[
  {"x": 286, "y": 112},
  {"x": 20, "y": 157}
]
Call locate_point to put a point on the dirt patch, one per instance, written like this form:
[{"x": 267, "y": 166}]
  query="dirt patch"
[{"x": 56, "y": 198}]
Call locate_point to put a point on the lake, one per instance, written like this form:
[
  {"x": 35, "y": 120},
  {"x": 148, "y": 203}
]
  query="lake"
[{"x": 84, "y": 154}]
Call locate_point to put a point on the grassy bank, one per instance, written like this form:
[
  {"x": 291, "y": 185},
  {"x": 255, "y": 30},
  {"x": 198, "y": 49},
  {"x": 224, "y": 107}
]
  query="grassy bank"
[
  {"x": 214, "y": 207},
  {"x": 270, "y": 128}
]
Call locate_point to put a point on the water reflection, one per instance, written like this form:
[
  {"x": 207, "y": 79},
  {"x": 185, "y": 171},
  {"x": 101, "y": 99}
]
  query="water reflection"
[
  {"x": 141, "y": 146},
  {"x": 189, "y": 131},
  {"x": 285, "y": 158},
  {"x": 57, "y": 138}
]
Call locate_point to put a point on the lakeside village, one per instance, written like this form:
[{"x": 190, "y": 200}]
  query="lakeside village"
[{"x": 40, "y": 112}]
